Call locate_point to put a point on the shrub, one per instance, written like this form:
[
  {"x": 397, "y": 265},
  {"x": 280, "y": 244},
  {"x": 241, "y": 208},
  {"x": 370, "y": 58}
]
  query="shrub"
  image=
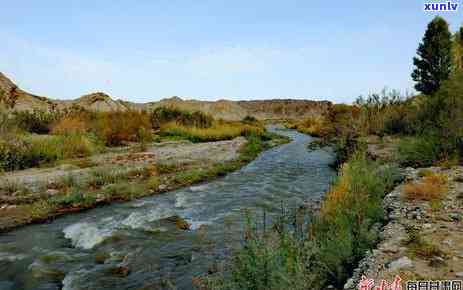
[
  {"x": 36, "y": 121},
  {"x": 350, "y": 210},
  {"x": 52, "y": 148},
  {"x": 73, "y": 199},
  {"x": 69, "y": 125},
  {"x": 249, "y": 119},
  {"x": 163, "y": 115},
  {"x": 30, "y": 151},
  {"x": 153, "y": 183},
  {"x": 417, "y": 246},
  {"x": 7, "y": 124},
  {"x": 430, "y": 188},
  {"x": 419, "y": 151},
  {"x": 115, "y": 128},
  {"x": 16, "y": 154}
]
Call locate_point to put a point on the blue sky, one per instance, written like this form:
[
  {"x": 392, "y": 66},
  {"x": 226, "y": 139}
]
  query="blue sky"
[{"x": 143, "y": 50}]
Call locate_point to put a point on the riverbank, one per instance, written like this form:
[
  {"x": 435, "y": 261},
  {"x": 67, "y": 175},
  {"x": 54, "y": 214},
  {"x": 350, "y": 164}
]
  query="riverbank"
[
  {"x": 42, "y": 194},
  {"x": 423, "y": 237}
]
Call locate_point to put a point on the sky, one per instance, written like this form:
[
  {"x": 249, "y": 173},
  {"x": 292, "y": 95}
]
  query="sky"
[{"x": 145, "y": 50}]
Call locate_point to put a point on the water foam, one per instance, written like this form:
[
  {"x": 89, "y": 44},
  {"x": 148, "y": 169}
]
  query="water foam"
[
  {"x": 11, "y": 257},
  {"x": 71, "y": 280},
  {"x": 180, "y": 200},
  {"x": 85, "y": 235},
  {"x": 142, "y": 220}
]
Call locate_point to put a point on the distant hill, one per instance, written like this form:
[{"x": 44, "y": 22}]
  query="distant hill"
[{"x": 17, "y": 99}]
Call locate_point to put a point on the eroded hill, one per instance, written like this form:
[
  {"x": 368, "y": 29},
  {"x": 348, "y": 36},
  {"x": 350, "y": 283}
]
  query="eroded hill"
[{"x": 15, "y": 98}]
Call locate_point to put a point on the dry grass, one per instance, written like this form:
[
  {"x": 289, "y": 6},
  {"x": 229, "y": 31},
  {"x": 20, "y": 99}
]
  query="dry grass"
[
  {"x": 69, "y": 125},
  {"x": 430, "y": 188},
  {"x": 218, "y": 131}
]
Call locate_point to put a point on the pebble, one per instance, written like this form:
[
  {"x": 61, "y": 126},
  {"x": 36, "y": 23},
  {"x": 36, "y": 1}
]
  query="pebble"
[
  {"x": 52, "y": 192},
  {"x": 400, "y": 263},
  {"x": 437, "y": 261},
  {"x": 455, "y": 217},
  {"x": 448, "y": 243}
]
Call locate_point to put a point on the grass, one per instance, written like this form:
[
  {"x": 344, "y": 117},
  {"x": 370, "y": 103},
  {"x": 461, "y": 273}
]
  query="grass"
[
  {"x": 418, "y": 247},
  {"x": 218, "y": 131},
  {"x": 74, "y": 198},
  {"x": 430, "y": 188},
  {"x": 419, "y": 151},
  {"x": 312, "y": 125},
  {"x": 102, "y": 176},
  {"x": 190, "y": 176},
  {"x": 10, "y": 187}
]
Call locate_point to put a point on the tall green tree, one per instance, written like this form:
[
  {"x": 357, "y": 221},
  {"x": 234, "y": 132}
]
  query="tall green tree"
[
  {"x": 460, "y": 42},
  {"x": 433, "y": 63}
]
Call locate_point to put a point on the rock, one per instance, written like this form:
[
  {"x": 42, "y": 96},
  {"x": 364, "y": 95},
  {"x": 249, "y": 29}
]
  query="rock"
[
  {"x": 100, "y": 197},
  {"x": 52, "y": 192},
  {"x": 121, "y": 271},
  {"x": 40, "y": 271},
  {"x": 182, "y": 225},
  {"x": 455, "y": 217},
  {"x": 448, "y": 243},
  {"x": 437, "y": 261},
  {"x": 162, "y": 187},
  {"x": 459, "y": 274},
  {"x": 400, "y": 263}
]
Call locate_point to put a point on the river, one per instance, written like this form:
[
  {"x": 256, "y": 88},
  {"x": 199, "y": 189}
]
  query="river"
[{"x": 92, "y": 249}]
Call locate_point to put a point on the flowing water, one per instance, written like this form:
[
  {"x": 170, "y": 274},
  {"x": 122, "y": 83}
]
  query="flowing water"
[{"x": 92, "y": 249}]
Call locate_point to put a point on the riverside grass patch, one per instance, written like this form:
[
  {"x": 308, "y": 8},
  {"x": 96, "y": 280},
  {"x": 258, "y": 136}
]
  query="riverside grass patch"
[
  {"x": 303, "y": 250},
  {"x": 218, "y": 131},
  {"x": 21, "y": 152}
]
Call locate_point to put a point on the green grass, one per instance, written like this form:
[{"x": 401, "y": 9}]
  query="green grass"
[
  {"x": 419, "y": 151},
  {"x": 418, "y": 247},
  {"x": 73, "y": 199}
]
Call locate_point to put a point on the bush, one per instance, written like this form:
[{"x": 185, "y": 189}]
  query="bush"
[
  {"x": 115, "y": 128},
  {"x": 73, "y": 199},
  {"x": 350, "y": 210},
  {"x": 249, "y": 120},
  {"x": 430, "y": 188},
  {"x": 37, "y": 121},
  {"x": 53, "y": 148},
  {"x": 15, "y": 154},
  {"x": 163, "y": 115},
  {"x": 69, "y": 125},
  {"x": 420, "y": 151},
  {"x": 31, "y": 151}
]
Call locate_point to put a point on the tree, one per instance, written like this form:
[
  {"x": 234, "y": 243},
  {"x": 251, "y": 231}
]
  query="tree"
[
  {"x": 460, "y": 42},
  {"x": 433, "y": 63}
]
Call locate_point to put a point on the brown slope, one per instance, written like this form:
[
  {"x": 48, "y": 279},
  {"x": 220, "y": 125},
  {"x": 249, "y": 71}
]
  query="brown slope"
[{"x": 18, "y": 99}]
